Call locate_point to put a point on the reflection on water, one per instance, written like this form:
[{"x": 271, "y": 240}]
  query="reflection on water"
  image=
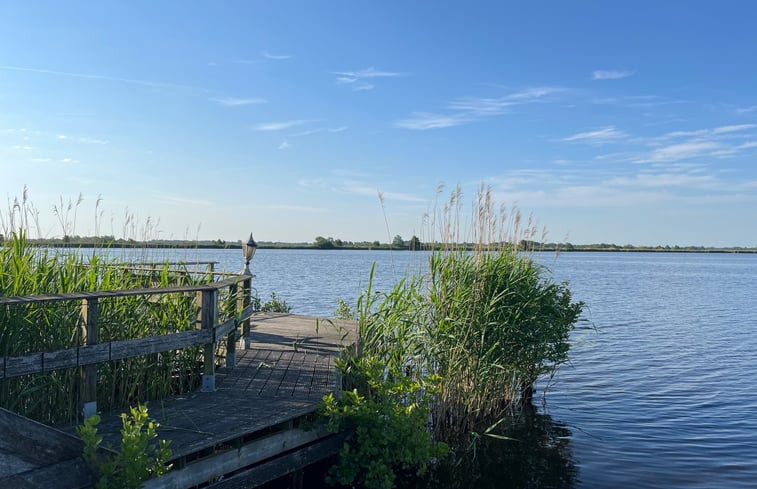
[{"x": 538, "y": 456}]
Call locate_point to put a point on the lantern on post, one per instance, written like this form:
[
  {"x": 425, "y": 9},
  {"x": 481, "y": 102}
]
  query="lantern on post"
[{"x": 248, "y": 251}]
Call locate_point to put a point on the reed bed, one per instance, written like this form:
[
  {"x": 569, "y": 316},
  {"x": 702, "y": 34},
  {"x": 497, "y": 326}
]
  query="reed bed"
[
  {"x": 24, "y": 329},
  {"x": 480, "y": 326}
]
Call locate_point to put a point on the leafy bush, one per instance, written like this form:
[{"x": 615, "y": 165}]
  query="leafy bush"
[
  {"x": 385, "y": 414},
  {"x": 137, "y": 460}
]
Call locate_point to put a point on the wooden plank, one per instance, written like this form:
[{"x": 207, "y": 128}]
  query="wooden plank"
[
  {"x": 103, "y": 352},
  {"x": 289, "y": 381},
  {"x": 277, "y": 374},
  {"x": 282, "y": 466},
  {"x": 104, "y": 294},
  {"x": 15, "y": 366},
  {"x": 34, "y": 442},
  {"x": 69, "y": 474},
  {"x": 225, "y": 327},
  {"x": 232, "y": 460},
  {"x": 157, "y": 344}
]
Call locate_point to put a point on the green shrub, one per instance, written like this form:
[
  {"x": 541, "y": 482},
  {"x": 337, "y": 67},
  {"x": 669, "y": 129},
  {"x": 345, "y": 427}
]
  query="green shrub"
[
  {"x": 137, "y": 459},
  {"x": 385, "y": 416}
]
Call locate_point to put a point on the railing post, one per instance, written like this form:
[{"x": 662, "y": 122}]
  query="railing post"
[
  {"x": 89, "y": 313},
  {"x": 231, "y": 339},
  {"x": 207, "y": 316},
  {"x": 244, "y": 299}
]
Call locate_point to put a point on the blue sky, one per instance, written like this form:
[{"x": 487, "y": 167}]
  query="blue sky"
[{"x": 629, "y": 122}]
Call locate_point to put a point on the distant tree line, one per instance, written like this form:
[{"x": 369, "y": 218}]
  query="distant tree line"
[{"x": 330, "y": 243}]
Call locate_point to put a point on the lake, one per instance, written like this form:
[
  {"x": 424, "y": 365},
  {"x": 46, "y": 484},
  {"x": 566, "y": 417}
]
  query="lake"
[{"x": 661, "y": 388}]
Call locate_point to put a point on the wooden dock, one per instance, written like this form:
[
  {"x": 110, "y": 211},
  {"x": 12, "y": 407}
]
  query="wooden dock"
[{"x": 247, "y": 432}]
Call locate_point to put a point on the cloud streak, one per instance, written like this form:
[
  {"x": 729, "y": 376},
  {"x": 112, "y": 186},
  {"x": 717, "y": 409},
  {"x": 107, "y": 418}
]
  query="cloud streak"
[
  {"x": 469, "y": 109},
  {"x": 237, "y": 102},
  {"x": 357, "y": 79},
  {"x": 268, "y": 55},
  {"x": 279, "y": 126},
  {"x": 610, "y": 75},
  {"x": 89, "y": 76},
  {"x": 601, "y": 136}
]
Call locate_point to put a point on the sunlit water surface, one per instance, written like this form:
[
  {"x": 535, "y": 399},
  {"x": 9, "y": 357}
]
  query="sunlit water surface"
[{"x": 661, "y": 389}]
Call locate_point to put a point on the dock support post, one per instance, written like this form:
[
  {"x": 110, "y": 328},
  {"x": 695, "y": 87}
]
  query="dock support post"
[
  {"x": 208, "y": 317},
  {"x": 88, "y": 330}
]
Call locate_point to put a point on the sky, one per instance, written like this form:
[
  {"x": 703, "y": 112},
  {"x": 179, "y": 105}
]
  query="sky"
[{"x": 616, "y": 122}]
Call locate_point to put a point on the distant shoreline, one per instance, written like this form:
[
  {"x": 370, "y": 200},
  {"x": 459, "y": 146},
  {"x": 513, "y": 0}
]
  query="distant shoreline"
[{"x": 547, "y": 247}]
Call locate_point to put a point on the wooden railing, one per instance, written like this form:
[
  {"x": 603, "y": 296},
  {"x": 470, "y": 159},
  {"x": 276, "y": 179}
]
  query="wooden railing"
[{"x": 90, "y": 351}]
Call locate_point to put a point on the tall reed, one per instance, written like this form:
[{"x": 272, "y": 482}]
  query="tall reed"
[
  {"x": 49, "y": 326},
  {"x": 483, "y": 323}
]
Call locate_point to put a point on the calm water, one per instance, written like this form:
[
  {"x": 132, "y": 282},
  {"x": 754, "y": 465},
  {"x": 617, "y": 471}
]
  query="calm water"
[{"x": 661, "y": 391}]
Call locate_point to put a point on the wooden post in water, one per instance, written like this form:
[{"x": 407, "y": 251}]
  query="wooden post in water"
[
  {"x": 88, "y": 328},
  {"x": 207, "y": 317}
]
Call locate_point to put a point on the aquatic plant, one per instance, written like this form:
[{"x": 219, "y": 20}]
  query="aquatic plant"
[{"x": 486, "y": 319}]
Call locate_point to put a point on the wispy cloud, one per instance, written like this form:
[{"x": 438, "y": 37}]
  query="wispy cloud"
[
  {"x": 638, "y": 101},
  {"x": 236, "y": 102},
  {"x": 746, "y": 110},
  {"x": 675, "y": 152},
  {"x": 284, "y": 145},
  {"x": 279, "y": 126},
  {"x": 610, "y": 75},
  {"x": 366, "y": 73},
  {"x": 69, "y": 160},
  {"x": 356, "y": 79},
  {"x": 268, "y": 55},
  {"x": 601, "y": 136},
  {"x": 89, "y": 76},
  {"x": 425, "y": 120},
  {"x": 469, "y": 109},
  {"x": 733, "y": 128}
]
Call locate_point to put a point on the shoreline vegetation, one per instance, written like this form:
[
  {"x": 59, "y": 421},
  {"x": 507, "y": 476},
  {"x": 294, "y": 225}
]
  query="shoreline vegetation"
[{"x": 337, "y": 244}]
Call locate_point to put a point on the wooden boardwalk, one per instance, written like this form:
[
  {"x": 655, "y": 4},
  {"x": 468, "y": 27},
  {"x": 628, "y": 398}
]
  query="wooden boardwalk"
[{"x": 245, "y": 433}]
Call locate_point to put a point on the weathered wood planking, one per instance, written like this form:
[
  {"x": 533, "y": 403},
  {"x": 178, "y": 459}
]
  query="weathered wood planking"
[
  {"x": 33, "y": 455},
  {"x": 231, "y": 460},
  {"x": 103, "y": 352},
  {"x": 256, "y": 394}
]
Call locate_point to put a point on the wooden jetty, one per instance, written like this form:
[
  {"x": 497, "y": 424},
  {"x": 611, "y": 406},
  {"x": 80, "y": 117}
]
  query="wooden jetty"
[{"x": 245, "y": 427}]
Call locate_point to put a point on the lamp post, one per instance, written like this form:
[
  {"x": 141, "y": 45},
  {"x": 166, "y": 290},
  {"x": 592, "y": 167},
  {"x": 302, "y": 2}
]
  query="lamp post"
[{"x": 248, "y": 250}]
